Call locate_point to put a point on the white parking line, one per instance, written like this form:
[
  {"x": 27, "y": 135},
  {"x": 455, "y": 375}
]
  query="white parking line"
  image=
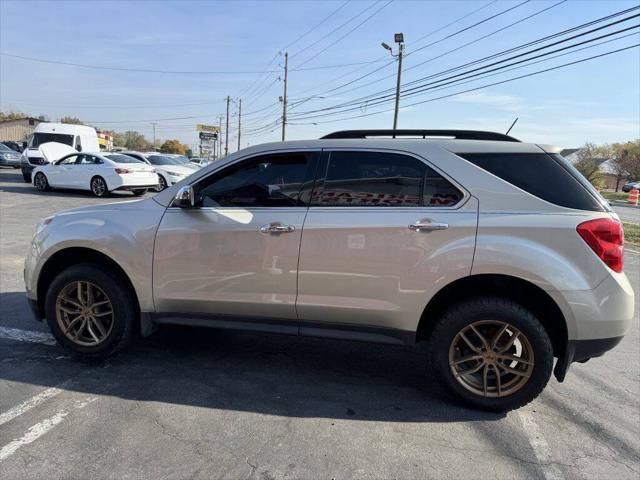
[
  {"x": 39, "y": 429},
  {"x": 539, "y": 445},
  {"x": 27, "y": 336},
  {"x": 33, "y": 402}
]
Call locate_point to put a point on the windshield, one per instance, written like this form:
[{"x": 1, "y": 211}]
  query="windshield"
[
  {"x": 182, "y": 159},
  {"x": 162, "y": 160},
  {"x": 118, "y": 158},
  {"x": 40, "y": 138},
  {"x": 4, "y": 148}
]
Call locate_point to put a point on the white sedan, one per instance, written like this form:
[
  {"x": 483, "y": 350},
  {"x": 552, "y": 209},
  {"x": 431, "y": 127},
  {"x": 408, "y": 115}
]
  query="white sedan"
[{"x": 101, "y": 173}]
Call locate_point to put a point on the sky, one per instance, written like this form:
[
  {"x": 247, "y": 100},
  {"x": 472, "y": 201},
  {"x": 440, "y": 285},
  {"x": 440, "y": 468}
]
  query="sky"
[{"x": 195, "y": 54}]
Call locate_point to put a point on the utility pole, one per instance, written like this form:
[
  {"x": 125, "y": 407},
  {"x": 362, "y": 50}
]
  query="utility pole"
[
  {"x": 153, "y": 124},
  {"x": 284, "y": 97},
  {"x": 399, "y": 39},
  {"x": 239, "y": 121},
  {"x": 226, "y": 132},
  {"x": 220, "y": 137}
]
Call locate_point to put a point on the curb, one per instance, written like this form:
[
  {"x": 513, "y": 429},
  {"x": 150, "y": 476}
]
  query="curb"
[{"x": 618, "y": 203}]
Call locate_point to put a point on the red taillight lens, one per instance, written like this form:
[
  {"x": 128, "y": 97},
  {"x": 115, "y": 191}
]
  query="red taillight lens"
[
  {"x": 606, "y": 238},
  {"x": 120, "y": 171}
]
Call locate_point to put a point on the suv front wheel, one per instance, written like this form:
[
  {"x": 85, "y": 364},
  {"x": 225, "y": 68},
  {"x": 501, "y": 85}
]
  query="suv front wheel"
[
  {"x": 90, "y": 311},
  {"x": 491, "y": 353}
]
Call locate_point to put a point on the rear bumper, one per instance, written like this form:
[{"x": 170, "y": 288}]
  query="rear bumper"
[
  {"x": 134, "y": 187},
  {"x": 581, "y": 351},
  {"x": 10, "y": 162}
]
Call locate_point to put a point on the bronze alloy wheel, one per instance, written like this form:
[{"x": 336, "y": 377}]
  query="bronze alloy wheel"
[
  {"x": 84, "y": 313},
  {"x": 491, "y": 358}
]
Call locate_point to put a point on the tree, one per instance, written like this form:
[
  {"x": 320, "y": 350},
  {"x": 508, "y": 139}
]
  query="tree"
[
  {"x": 11, "y": 115},
  {"x": 132, "y": 141},
  {"x": 174, "y": 146},
  {"x": 589, "y": 159},
  {"x": 627, "y": 159},
  {"x": 71, "y": 120}
]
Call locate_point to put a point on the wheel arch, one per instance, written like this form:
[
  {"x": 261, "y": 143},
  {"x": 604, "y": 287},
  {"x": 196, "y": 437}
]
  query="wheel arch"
[
  {"x": 106, "y": 182},
  {"x": 68, "y": 257},
  {"x": 530, "y": 296}
]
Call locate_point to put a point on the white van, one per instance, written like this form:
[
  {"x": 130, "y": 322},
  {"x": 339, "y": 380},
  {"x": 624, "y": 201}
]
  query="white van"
[{"x": 78, "y": 137}]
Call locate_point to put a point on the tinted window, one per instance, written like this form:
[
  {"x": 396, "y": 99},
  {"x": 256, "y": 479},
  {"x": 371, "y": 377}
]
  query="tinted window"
[
  {"x": 266, "y": 181},
  {"x": 40, "y": 138},
  {"x": 162, "y": 160},
  {"x": 4, "y": 148},
  {"x": 70, "y": 160},
  {"x": 540, "y": 175},
  {"x": 122, "y": 158},
  {"x": 89, "y": 160},
  {"x": 382, "y": 180}
]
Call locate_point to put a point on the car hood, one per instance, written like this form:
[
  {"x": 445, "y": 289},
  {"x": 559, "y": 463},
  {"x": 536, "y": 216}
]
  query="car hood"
[
  {"x": 53, "y": 151},
  {"x": 176, "y": 168}
]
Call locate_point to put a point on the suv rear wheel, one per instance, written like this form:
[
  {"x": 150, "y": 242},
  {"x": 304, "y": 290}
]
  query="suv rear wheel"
[
  {"x": 491, "y": 353},
  {"x": 90, "y": 311}
]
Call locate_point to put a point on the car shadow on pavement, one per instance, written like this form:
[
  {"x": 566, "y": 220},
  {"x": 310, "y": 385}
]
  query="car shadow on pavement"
[
  {"x": 11, "y": 175},
  {"x": 268, "y": 374}
]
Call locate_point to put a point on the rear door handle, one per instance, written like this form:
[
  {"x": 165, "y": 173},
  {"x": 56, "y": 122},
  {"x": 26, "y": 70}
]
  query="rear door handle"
[
  {"x": 277, "y": 227},
  {"x": 428, "y": 226}
]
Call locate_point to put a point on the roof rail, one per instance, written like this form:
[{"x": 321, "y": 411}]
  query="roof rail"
[{"x": 457, "y": 134}]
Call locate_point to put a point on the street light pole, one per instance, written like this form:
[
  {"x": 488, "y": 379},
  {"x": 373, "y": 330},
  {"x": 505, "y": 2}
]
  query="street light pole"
[
  {"x": 399, "y": 39},
  {"x": 239, "y": 121},
  {"x": 395, "y": 115}
]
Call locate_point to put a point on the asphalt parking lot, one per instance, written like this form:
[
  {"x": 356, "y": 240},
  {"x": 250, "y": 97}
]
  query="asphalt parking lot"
[{"x": 189, "y": 403}]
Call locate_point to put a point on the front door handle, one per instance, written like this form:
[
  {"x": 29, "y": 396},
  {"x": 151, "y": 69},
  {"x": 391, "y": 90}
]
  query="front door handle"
[
  {"x": 277, "y": 227},
  {"x": 428, "y": 226}
]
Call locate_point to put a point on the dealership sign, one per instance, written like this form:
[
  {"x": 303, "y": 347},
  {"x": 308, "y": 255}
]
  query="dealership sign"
[
  {"x": 207, "y": 128},
  {"x": 208, "y": 136}
]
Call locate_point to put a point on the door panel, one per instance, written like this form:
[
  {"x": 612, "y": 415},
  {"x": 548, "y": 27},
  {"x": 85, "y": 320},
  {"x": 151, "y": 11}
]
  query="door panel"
[
  {"x": 237, "y": 252},
  {"x": 367, "y": 267},
  {"x": 384, "y": 232},
  {"x": 217, "y": 261}
]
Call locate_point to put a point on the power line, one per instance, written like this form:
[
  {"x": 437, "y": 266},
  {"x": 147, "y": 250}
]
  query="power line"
[
  {"x": 371, "y": 97},
  {"x": 317, "y": 25},
  {"x": 486, "y": 85},
  {"x": 345, "y": 35}
]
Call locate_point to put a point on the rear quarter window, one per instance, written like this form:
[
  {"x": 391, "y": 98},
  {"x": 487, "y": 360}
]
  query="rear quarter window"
[{"x": 541, "y": 175}]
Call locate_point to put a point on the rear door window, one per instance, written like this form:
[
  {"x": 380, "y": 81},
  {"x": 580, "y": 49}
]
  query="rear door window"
[
  {"x": 538, "y": 174},
  {"x": 380, "y": 179}
]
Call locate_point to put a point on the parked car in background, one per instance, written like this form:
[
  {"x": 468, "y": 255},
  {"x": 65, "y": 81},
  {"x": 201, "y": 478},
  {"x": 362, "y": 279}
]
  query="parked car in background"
[
  {"x": 15, "y": 146},
  {"x": 170, "y": 170},
  {"x": 627, "y": 187},
  {"x": 9, "y": 157},
  {"x": 100, "y": 173},
  {"x": 201, "y": 162},
  {"x": 79, "y": 137},
  {"x": 499, "y": 254},
  {"x": 183, "y": 159}
]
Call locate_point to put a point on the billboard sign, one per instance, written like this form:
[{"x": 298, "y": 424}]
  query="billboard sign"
[{"x": 208, "y": 128}]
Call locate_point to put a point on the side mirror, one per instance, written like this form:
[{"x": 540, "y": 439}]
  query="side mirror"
[
  {"x": 79, "y": 147},
  {"x": 185, "y": 198}
]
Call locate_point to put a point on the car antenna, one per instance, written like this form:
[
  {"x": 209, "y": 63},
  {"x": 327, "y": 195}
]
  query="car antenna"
[{"x": 514, "y": 122}]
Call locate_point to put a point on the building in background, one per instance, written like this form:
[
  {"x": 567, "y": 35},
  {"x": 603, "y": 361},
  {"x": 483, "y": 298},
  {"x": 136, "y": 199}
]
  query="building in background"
[
  {"x": 18, "y": 130},
  {"x": 105, "y": 141}
]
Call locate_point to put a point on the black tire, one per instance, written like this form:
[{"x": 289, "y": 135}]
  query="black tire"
[
  {"x": 16, "y": 167},
  {"x": 40, "y": 182},
  {"x": 125, "y": 310},
  {"x": 162, "y": 183},
  {"x": 138, "y": 192},
  {"x": 26, "y": 177},
  {"x": 494, "y": 309},
  {"x": 99, "y": 187}
]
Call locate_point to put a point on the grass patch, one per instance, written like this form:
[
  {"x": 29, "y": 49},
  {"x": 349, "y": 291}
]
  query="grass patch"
[
  {"x": 615, "y": 196},
  {"x": 631, "y": 234}
]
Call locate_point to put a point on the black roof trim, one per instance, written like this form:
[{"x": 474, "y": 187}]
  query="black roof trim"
[{"x": 457, "y": 134}]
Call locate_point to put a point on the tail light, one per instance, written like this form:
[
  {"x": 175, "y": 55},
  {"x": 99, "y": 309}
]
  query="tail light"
[
  {"x": 120, "y": 171},
  {"x": 606, "y": 238}
]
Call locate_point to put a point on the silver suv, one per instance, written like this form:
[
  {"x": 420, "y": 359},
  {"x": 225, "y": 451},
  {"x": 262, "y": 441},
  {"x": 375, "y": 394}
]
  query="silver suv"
[{"x": 497, "y": 253}]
